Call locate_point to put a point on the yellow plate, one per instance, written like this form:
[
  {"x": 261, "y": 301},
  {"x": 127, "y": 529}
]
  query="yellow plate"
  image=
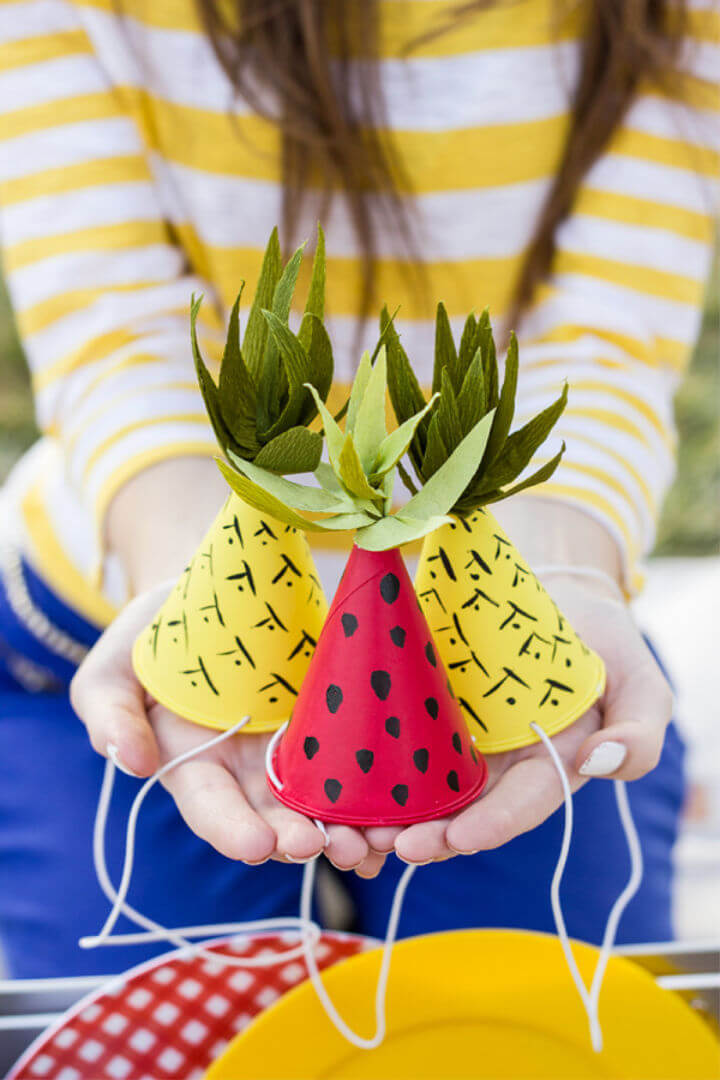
[{"x": 481, "y": 1004}]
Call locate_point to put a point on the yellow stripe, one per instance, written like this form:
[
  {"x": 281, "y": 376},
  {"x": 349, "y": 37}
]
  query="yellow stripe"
[
  {"x": 92, "y": 351},
  {"x": 624, "y": 464},
  {"x": 72, "y": 432},
  {"x": 631, "y": 210},
  {"x": 611, "y": 420},
  {"x": 141, "y": 425},
  {"x": 36, "y": 50},
  {"x": 663, "y": 151},
  {"x": 664, "y": 351},
  {"x": 642, "y": 279},
  {"x": 56, "y": 568},
  {"x": 604, "y": 478},
  {"x": 126, "y": 235},
  {"x": 53, "y": 114},
  {"x": 112, "y": 170},
  {"x": 635, "y": 402},
  {"x": 33, "y": 320}
]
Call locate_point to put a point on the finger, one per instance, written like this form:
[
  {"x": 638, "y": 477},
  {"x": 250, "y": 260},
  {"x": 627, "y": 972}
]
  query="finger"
[
  {"x": 346, "y": 847},
  {"x": 296, "y": 836},
  {"x": 420, "y": 844},
  {"x": 637, "y": 712},
  {"x": 522, "y": 798},
  {"x": 371, "y": 866},
  {"x": 382, "y": 838},
  {"x": 214, "y": 807}
]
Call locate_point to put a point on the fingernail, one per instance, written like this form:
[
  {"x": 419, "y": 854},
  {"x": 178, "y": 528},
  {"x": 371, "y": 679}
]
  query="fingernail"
[
  {"x": 307, "y": 859},
  {"x": 114, "y": 755},
  {"x": 604, "y": 760}
]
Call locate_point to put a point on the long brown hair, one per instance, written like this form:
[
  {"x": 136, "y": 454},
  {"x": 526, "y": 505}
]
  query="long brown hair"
[{"x": 332, "y": 117}]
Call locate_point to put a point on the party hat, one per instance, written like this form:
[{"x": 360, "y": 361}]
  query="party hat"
[
  {"x": 513, "y": 658},
  {"x": 236, "y": 634},
  {"x": 376, "y": 736}
]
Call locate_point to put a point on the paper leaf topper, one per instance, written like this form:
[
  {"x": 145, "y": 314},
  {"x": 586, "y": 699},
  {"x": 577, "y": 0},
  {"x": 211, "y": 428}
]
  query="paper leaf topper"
[
  {"x": 467, "y": 378},
  {"x": 261, "y": 406}
]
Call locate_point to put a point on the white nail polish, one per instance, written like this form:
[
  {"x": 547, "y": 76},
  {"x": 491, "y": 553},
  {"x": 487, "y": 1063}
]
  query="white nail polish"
[
  {"x": 604, "y": 760},
  {"x": 307, "y": 859},
  {"x": 114, "y": 755}
]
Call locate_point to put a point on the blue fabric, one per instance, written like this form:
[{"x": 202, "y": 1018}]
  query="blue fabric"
[{"x": 49, "y": 783}]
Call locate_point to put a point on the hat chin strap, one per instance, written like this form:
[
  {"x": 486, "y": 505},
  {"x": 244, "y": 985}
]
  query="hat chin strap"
[{"x": 309, "y": 930}]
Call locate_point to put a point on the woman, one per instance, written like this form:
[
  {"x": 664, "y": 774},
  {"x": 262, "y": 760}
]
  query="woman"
[{"x": 553, "y": 163}]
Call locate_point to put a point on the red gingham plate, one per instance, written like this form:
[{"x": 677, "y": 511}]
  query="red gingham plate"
[{"x": 172, "y": 1016}]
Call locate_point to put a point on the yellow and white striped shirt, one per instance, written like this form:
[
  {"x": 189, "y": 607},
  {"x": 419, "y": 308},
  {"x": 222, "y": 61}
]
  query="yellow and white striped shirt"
[{"x": 131, "y": 177}]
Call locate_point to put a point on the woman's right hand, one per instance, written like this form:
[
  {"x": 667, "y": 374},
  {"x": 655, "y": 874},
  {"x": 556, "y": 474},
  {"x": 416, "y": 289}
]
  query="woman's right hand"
[{"x": 222, "y": 793}]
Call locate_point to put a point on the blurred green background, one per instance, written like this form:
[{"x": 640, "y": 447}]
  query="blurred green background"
[{"x": 690, "y": 524}]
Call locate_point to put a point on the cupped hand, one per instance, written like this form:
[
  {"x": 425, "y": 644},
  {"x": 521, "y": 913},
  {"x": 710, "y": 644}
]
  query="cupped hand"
[
  {"x": 222, "y": 793},
  {"x": 622, "y": 735}
]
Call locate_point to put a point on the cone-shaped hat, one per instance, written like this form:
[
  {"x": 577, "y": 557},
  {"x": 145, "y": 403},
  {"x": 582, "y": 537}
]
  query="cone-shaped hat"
[
  {"x": 511, "y": 655},
  {"x": 236, "y": 635},
  {"x": 376, "y": 736}
]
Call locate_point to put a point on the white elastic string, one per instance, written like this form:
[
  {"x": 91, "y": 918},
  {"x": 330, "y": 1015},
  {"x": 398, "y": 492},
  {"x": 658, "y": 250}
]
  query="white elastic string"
[
  {"x": 381, "y": 987},
  {"x": 591, "y": 1000},
  {"x": 153, "y": 931}
]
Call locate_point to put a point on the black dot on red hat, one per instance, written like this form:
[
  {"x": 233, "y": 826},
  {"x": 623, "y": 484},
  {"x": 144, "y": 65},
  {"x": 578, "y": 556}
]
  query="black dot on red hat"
[
  {"x": 349, "y": 623},
  {"x": 333, "y": 697},
  {"x": 311, "y": 747},
  {"x": 452, "y": 779},
  {"x": 381, "y": 683},
  {"x": 457, "y": 742},
  {"x": 390, "y": 588},
  {"x": 473, "y": 755},
  {"x": 430, "y": 653},
  {"x": 400, "y": 793},
  {"x": 392, "y": 726},
  {"x": 397, "y": 636},
  {"x": 364, "y": 759},
  {"x": 333, "y": 789},
  {"x": 421, "y": 758},
  {"x": 432, "y": 707}
]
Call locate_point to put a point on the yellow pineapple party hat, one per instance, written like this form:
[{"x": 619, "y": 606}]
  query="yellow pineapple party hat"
[
  {"x": 236, "y": 635},
  {"x": 512, "y": 657}
]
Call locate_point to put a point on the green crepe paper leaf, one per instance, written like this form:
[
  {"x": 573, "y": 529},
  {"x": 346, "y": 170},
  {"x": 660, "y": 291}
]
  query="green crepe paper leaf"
[
  {"x": 321, "y": 367},
  {"x": 405, "y": 394},
  {"x": 388, "y": 488},
  {"x": 315, "y": 304},
  {"x": 468, "y": 344},
  {"x": 406, "y": 479},
  {"x": 506, "y": 407},
  {"x": 236, "y": 387},
  {"x": 486, "y": 342},
  {"x": 444, "y": 488},
  {"x": 296, "y": 450},
  {"x": 273, "y": 381},
  {"x": 209, "y": 390},
  {"x": 256, "y": 331},
  {"x": 328, "y": 480},
  {"x": 369, "y": 429},
  {"x": 362, "y": 376},
  {"x": 352, "y": 473},
  {"x": 395, "y": 445},
  {"x": 544, "y": 473},
  {"x": 471, "y": 399},
  {"x": 293, "y": 355},
  {"x": 520, "y": 447},
  {"x": 382, "y": 340},
  {"x": 259, "y": 499},
  {"x": 448, "y": 416},
  {"x": 445, "y": 352},
  {"x": 436, "y": 452},
  {"x": 287, "y": 492},
  {"x": 282, "y": 297},
  {"x": 393, "y": 531},
  {"x": 291, "y": 416},
  {"x": 334, "y": 435}
]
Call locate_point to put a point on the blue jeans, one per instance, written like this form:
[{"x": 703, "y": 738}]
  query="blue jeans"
[{"x": 49, "y": 784}]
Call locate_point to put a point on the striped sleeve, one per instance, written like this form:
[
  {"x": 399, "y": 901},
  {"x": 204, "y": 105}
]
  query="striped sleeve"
[
  {"x": 622, "y": 308},
  {"x": 100, "y": 291}
]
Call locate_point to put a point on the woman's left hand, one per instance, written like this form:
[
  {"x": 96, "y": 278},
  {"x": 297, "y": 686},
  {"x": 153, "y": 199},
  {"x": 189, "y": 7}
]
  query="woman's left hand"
[{"x": 621, "y": 736}]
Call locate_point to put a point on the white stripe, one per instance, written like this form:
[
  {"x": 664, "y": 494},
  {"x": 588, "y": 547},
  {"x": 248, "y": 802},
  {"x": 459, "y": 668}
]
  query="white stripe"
[
  {"x": 625, "y": 175},
  {"x": 50, "y": 81},
  {"x": 579, "y": 452},
  {"x": 675, "y": 120},
  {"x": 136, "y": 444},
  {"x": 93, "y": 269},
  {"x": 455, "y": 225},
  {"x": 69, "y": 144},
  {"x": 34, "y": 19},
  {"x": 635, "y": 245},
  {"x": 95, "y": 207},
  {"x": 702, "y": 59}
]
